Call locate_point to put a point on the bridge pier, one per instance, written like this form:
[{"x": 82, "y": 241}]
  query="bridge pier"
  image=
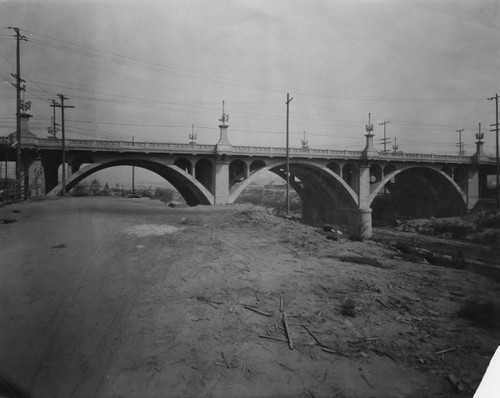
[
  {"x": 357, "y": 222},
  {"x": 50, "y": 168},
  {"x": 221, "y": 191},
  {"x": 472, "y": 187}
]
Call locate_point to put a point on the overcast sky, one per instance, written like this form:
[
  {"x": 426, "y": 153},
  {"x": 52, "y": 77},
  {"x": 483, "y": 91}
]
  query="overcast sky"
[{"x": 151, "y": 69}]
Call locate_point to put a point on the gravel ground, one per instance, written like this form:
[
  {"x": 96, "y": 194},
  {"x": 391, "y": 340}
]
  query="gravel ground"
[{"x": 113, "y": 297}]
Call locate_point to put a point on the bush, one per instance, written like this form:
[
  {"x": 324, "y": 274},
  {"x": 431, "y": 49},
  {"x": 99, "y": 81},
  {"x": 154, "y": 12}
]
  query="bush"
[
  {"x": 489, "y": 220},
  {"x": 164, "y": 194},
  {"x": 457, "y": 230},
  {"x": 481, "y": 312},
  {"x": 348, "y": 307}
]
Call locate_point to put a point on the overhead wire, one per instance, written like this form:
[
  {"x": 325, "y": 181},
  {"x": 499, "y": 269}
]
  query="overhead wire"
[{"x": 78, "y": 49}]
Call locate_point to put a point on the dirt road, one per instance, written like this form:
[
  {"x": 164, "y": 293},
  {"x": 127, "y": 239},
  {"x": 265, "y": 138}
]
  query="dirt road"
[{"x": 112, "y": 297}]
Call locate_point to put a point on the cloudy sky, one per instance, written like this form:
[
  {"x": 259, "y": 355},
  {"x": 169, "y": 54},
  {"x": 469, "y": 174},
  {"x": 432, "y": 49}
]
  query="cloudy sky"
[{"x": 152, "y": 68}]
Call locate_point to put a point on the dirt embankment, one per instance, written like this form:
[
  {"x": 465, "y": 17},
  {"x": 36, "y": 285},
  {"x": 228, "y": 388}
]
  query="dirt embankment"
[{"x": 113, "y": 297}]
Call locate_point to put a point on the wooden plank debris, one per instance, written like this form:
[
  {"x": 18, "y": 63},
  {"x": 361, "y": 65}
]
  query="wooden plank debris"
[
  {"x": 384, "y": 304},
  {"x": 367, "y": 340},
  {"x": 445, "y": 351},
  {"x": 209, "y": 302},
  {"x": 284, "y": 366},
  {"x": 225, "y": 360},
  {"x": 282, "y": 305},
  {"x": 456, "y": 383},
  {"x": 251, "y": 308},
  {"x": 367, "y": 382},
  {"x": 287, "y": 331},
  {"x": 263, "y": 336},
  {"x": 328, "y": 349},
  {"x": 313, "y": 336}
]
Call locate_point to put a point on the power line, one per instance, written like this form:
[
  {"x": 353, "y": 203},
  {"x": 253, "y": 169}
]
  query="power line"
[{"x": 79, "y": 49}]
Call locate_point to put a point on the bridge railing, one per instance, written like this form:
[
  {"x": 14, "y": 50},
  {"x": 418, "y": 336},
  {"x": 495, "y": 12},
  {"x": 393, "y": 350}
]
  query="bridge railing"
[
  {"x": 429, "y": 157},
  {"x": 106, "y": 145},
  {"x": 279, "y": 151},
  {"x": 123, "y": 145}
]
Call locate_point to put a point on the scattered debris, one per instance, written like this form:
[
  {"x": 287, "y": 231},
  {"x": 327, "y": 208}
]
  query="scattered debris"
[
  {"x": 317, "y": 340},
  {"x": 284, "y": 366},
  {"x": 209, "y": 302},
  {"x": 381, "y": 302},
  {"x": 252, "y": 308},
  {"x": 455, "y": 383},
  {"x": 367, "y": 382},
  {"x": 445, "y": 351},
  {"x": 59, "y": 246},
  {"x": 287, "y": 331},
  {"x": 367, "y": 340},
  {"x": 263, "y": 336}
]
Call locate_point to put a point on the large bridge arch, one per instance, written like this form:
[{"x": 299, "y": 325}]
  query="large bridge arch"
[
  {"x": 325, "y": 196},
  {"x": 325, "y": 176},
  {"x": 191, "y": 189},
  {"x": 425, "y": 182}
]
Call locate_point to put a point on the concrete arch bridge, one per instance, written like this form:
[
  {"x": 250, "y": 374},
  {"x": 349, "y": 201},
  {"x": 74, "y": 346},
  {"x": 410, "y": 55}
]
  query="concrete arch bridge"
[{"x": 335, "y": 186}]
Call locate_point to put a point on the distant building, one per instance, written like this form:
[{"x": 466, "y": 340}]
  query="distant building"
[{"x": 95, "y": 187}]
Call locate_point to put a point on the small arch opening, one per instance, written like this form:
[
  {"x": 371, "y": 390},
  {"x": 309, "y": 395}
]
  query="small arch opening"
[{"x": 334, "y": 166}]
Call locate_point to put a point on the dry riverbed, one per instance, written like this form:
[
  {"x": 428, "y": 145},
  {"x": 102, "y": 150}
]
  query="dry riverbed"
[{"x": 113, "y": 297}]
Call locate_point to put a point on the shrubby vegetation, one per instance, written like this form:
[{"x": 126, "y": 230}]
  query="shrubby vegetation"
[
  {"x": 273, "y": 197},
  {"x": 481, "y": 312},
  {"x": 164, "y": 194}
]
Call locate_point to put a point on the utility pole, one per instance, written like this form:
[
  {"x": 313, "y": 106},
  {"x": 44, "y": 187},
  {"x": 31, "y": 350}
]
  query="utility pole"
[
  {"x": 460, "y": 144},
  {"x": 497, "y": 164},
  {"x": 53, "y": 130},
  {"x": 63, "y": 139},
  {"x": 133, "y": 172},
  {"x": 288, "y": 99},
  {"x": 19, "y": 88},
  {"x": 385, "y": 140}
]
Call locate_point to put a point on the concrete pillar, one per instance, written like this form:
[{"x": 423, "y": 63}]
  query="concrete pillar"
[
  {"x": 50, "y": 170},
  {"x": 361, "y": 222},
  {"x": 363, "y": 227},
  {"x": 221, "y": 194},
  {"x": 472, "y": 187},
  {"x": 36, "y": 178},
  {"x": 364, "y": 185}
]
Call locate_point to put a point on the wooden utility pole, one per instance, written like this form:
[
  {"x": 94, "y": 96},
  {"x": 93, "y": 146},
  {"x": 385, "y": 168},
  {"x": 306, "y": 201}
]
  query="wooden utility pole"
[
  {"x": 63, "y": 139},
  {"x": 385, "y": 140},
  {"x": 133, "y": 172},
  {"x": 460, "y": 144},
  {"x": 288, "y": 99},
  {"x": 19, "y": 88},
  {"x": 53, "y": 130},
  {"x": 496, "y": 141}
]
